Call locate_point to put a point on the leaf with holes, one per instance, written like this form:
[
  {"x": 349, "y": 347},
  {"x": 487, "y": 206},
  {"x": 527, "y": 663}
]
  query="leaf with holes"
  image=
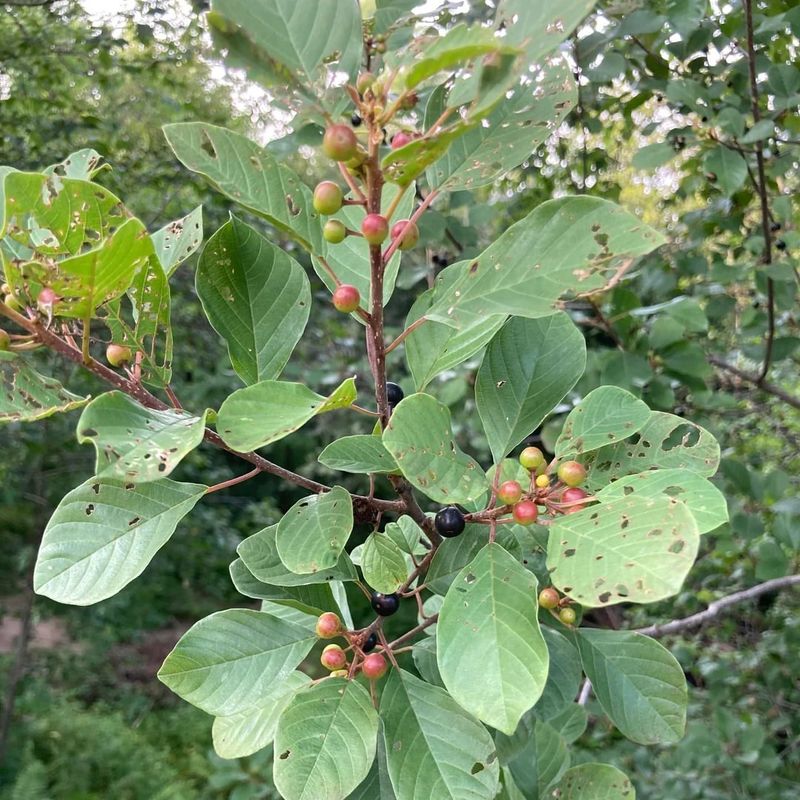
[
  {"x": 225, "y": 663},
  {"x": 639, "y": 684},
  {"x": 383, "y": 564},
  {"x": 405, "y": 164},
  {"x": 269, "y": 410},
  {"x": 104, "y": 533},
  {"x": 361, "y": 453},
  {"x": 27, "y": 396},
  {"x": 251, "y": 176},
  {"x": 260, "y": 555},
  {"x": 420, "y": 438},
  {"x": 631, "y": 550},
  {"x": 178, "y": 240},
  {"x": 82, "y": 164},
  {"x": 454, "y": 554},
  {"x": 572, "y": 244},
  {"x": 526, "y": 371},
  {"x": 605, "y": 416},
  {"x": 665, "y": 441},
  {"x": 256, "y": 296},
  {"x": 325, "y": 742},
  {"x": 135, "y": 443},
  {"x": 433, "y": 747},
  {"x": 707, "y": 503},
  {"x": 492, "y": 656},
  {"x": 595, "y": 782},
  {"x": 313, "y": 532},
  {"x": 243, "y": 734}
]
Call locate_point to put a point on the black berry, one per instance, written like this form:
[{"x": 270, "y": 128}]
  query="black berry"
[
  {"x": 370, "y": 642},
  {"x": 385, "y": 604},
  {"x": 780, "y": 244},
  {"x": 394, "y": 394},
  {"x": 355, "y": 120},
  {"x": 449, "y": 522},
  {"x": 776, "y": 226}
]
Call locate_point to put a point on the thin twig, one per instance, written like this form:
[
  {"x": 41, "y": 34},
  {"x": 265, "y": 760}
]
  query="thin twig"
[
  {"x": 763, "y": 385},
  {"x": 233, "y": 481},
  {"x": 410, "y": 329}
]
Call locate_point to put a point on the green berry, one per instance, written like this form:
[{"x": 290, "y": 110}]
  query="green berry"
[
  {"x": 340, "y": 143},
  {"x": 334, "y": 231},
  {"x": 567, "y": 615},
  {"x": 118, "y": 354},
  {"x": 531, "y": 458},
  {"x": 327, "y": 198},
  {"x": 572, "y": 473},
  {"x": 364, "y": 82}
]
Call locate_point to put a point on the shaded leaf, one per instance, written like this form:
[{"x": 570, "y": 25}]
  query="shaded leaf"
[{"x": 361, "y": 453}]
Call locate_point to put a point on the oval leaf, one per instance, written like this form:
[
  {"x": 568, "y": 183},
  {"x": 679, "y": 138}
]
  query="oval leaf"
[
  {"x": 595, "y": 782},
  {"x": 362, "y": 453},
  {"x": 383, "y": 564}
]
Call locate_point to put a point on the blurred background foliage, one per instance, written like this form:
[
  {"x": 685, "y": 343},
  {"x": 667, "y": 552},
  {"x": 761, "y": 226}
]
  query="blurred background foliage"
[{"x": 664, "y": 126}]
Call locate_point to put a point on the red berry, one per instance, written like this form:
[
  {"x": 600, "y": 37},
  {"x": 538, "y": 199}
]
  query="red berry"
[
  {"x": 375, "y": 228},
  {"x": 509, "y": 492},
  {"x": 333, "y": 657},
  {"x": 400, "y": 140},
  {"x": 548, "y": 598},
  {"x": 334, "y": 231},
  {"x": 329, "y": 625},
  {"x": 572, "y": 473},
  {"x": 339, "y": 143},
  {"x": 117, "y": 355},
  {"x": 567, "y": 615},
  {"x": 374, "y": 666},
  {"x": 327, "y": 197},
  {"x": 526, "y": 512},
  {"x": 531, "y": 458},
  {"x": 572, "y": 495},
  {"x": 411, "y": 235},
  {"x": 346, "y": 298}
]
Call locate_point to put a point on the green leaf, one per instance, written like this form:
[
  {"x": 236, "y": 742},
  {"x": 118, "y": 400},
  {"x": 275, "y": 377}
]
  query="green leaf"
[
  {"x": 424, "y": 655},
  {"x": 571, "y": 722},
  {"x": 407, "y": 535},
  {"x": 729, "y": 167},
  {"x": 595, "y": 782},
  {"x": 453, "y": 555},
  {"x": 526, "y": 371},
  {"x": 639, "y": 684},
  {"x": 256, "y": 296},
  {"x": 405, "y": 164},
  {"x": 251, "y": 176},
  {"x": 634, "y": 550},
  {"x": 227, "y": 662},
  {"x": 762, "y": 129},
  {"x": 135, "y": 443},
  {"x": 542, "y": 760},
  {"x": 325, "y": 742},
  {"x": 361, "y": 453},
  {"x": 491, "y": 653},
  {"x": 178, "y": 240},
  {"x": 606, "y": 415},
  {"x": 707, "y": 503},
  {"x": 665, "y": 441},
  {"x": 377, "y": 785},
  {"x": 652, "y": 156},
  {"x": 243, "y": 734},
  {"x": 82, "y": 164},
  {"x": 563, "y": 676},
  {"x": 434, "y": 748},
  {"x": 269, "y": 410},
  {"x": 259, "y": 553},
  {"x": 569, "y": 244},
  {"x": 313, "y": 532},
  {"x": 27, "y": 396},
  {"x": 383, "y": 564},
  {"x": 420, "y": 438},
  {"x": 104, "y": 533}
]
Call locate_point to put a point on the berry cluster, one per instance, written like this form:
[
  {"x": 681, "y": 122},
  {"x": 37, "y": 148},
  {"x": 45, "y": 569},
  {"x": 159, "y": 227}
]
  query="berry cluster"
[{"x": 334, "y": 657}]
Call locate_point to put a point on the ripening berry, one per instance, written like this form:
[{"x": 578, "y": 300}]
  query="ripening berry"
[
  {"x": 5, "y": 340},
  {"x": 329, "y": 626},
  {"x": 384, "y": 604},
  {"x": 572, "y": 495},
  {"x": 542, "y": 481},
  {"x": 531, "y": 458},
  {"x": 118, "y": 354},
  {"x": 567, "y": 615},
  {"x": 339, "y": 143},
  {"x": 548, "y": 598},
  {"x": 46, "y": 300},
  {"x": 374, "y": 666},
  {"x": 365, "y": 81},
  {"x": 525, "y": 512},
  {"x": 334, "y": 231},
  {"x": 346, "y": 298},
  {"x": 380, "y": 47},
  {"x": 572, "y": 473},
  {"x": 333, "y": 657},
  {"x": 409, "y": 232},
  {"x": 375, "y": 228},
  {"x": 400, "y": 139},
  {"x": 327, "y": 197},
  {"x": 509, "y": 492},
  {"x": 370, "y": 642},
  {"x": 449, "y": 522},
  {"x": 394, "y": 394}
]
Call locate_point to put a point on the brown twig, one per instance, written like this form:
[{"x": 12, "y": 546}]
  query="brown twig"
[{"x": 763, "y": 385}]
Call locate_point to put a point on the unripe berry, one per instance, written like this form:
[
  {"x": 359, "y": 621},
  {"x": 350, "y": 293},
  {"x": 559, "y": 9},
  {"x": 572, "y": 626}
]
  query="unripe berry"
[
  {"x": 329, "y": 626},
  {"x": 548, "y": 598},
  {"x": 409, "y": 101},
  {"x": 400, "y": 139},
  {"x": 572, "y": 473},
  {"x": 339, "y": 143},
  {"x": 509, "y": 492},
  {"x": 118, "y": 354},
  {"x": 410, "y": 236},
  {"x": 380, "y": 47},
  {"x": 384, "y": 604},
  {"x": 542, "y": 481},
  {"x": 13, "y": 302},
  {"x": 449, "y": 522},
  {"x": 375, "y": 228},
  {"x": 531, "y": 458},
  {"x": 327, "y": 197},
  {"x": 364, "y": 82},
  {"x": 572, "y": 495},
  {"x": 567, "y": 615},
  {"x": 333, "y": 657},
  {"x": 46, "y": 300},
  {"x": 339, "y": 673},
  {"x": 526, "y": 512},
  {"x": 5, "y": 340},
  {"x": 346, "y": 298},
  {"x": 334, "y": 231},
  {"x": 374, "y": 666}
]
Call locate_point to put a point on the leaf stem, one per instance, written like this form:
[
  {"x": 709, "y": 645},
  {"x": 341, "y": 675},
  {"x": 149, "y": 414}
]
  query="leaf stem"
[
  {"x": 410, "y": 329},
  {"x": 233, "y": 481}
]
